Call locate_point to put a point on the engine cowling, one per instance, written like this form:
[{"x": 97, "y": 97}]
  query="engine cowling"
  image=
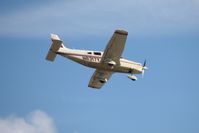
[{"x": 132, "y": 77}]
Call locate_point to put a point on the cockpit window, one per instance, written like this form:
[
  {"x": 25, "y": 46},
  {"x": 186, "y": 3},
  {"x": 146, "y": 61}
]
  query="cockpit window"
[
  {"x": 97, "y": 53},
  {"x": 89, "y": 52}
]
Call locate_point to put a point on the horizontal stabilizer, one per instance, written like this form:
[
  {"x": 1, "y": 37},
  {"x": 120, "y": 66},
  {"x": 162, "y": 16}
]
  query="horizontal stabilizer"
[
  {"x": 57, "y": 43},
  {"x": 55, "y": 37}
]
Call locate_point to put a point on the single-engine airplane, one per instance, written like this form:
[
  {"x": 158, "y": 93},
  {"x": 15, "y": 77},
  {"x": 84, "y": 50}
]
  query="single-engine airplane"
[{"x": 106, "y": 63}]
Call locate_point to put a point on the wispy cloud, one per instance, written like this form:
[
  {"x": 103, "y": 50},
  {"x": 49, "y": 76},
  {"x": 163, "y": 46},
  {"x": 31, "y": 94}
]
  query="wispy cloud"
[
  {"x": 97, "y": 17},
  {"x": 35, "y": 122}
]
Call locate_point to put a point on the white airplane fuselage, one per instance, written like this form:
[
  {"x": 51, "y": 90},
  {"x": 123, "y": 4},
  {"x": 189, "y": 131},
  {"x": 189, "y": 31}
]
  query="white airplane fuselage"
[
  {"x": 92, "y": 59},
  {"x": 105, "y": 63}
]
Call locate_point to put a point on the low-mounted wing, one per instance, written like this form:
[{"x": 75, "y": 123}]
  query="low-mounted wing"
[
  {"x": 115, "y": 47},
  {"x": 99, "y": 78}
]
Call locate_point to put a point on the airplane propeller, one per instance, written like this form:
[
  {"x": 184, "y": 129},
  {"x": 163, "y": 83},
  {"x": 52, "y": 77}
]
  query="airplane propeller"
[{"x": 144, "y": 68}]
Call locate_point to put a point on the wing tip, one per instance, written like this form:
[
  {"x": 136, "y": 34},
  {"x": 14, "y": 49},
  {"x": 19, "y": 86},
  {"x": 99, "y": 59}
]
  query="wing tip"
[{"x": 122, "y": 32}]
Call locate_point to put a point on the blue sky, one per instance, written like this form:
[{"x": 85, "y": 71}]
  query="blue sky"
[{"x": 39, "y": 96}]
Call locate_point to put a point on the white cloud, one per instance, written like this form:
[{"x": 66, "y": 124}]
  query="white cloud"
[
  {"x": 97, "y": 17},
  {"x": 35, "y": 122}
]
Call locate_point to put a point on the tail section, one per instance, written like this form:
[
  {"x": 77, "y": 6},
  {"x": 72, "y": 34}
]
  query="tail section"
[{"x": 57, "y": 43}]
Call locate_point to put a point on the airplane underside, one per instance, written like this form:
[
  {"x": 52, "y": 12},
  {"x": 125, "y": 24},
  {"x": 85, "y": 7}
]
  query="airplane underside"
[
  {"x": 96, "y": 65},
  {"x": 106, "y": 63}
]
